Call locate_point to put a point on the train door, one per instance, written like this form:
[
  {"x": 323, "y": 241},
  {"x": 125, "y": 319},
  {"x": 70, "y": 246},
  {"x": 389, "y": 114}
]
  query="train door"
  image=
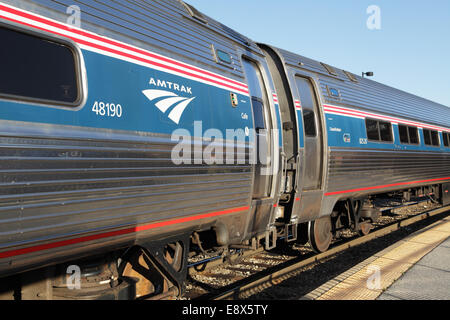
[
  {"x": 263, "y": 174},
  {"x": 312, "y": 177}
]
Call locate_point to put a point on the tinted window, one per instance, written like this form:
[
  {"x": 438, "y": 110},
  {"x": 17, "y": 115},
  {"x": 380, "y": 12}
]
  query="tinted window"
[
  {"x": 435, "y": 138},
  {"x": 409, "y": 135},
  {"x": 258, "y": 113},
  {"x": 403, "y": 131},
  {"x": 427, "y": 136},
  {"x": 431, "y": 137},
  {"x": 36, "y": 68},
  {"x": 446, "y": 139},
  {"x": 254, "y": 78},
  {"x": 385, "y": 131},
  {"x": 259, "y": 98},
  {"x": 379, "y": 130},
  {"x": 413, "y": 135},
  {"x": 372, "y": 130},
  {"x": 309, "y": 122},
  {"x": 223, "y": 56}
]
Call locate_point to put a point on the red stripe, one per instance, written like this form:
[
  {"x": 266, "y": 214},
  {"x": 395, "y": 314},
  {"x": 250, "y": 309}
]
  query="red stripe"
[
  {"x": 104, "y": 40},
  {"x": 367, "y": 114},
  {"x": 362, "y": 113},
  {"x": 58, "y": 244},
  {"x": 346, "y": 113},
  {"x": 275, "y": 98},
  {"x": 383, "y": 186}
]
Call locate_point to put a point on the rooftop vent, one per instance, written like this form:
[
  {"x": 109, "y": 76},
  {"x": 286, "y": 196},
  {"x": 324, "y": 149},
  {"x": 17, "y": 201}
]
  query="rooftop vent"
[
  {"x": 330, "y": 69},
  {"x": 194, "y": 12}
]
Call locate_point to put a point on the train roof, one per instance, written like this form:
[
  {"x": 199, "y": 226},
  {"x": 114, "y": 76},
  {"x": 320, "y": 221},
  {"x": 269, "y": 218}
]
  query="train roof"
[
  {"x": 368, "y": 94},
  {"x": 169, "y": 27}
]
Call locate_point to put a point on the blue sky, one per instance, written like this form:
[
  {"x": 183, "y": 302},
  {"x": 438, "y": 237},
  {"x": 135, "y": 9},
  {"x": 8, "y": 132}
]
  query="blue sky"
[{"x": 410, "y": 52}]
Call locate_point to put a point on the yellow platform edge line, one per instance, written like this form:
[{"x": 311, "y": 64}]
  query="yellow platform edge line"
[{"x": 376, "y": 275}]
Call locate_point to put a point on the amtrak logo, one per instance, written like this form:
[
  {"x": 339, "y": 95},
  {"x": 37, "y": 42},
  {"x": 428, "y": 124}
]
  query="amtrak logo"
[{"x": 169, "y": 100}]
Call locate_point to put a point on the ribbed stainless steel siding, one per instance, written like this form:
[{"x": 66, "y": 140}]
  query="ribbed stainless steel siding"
[
  {"x": 362, "y": 168},
  {"x": 52, "y": 188}
]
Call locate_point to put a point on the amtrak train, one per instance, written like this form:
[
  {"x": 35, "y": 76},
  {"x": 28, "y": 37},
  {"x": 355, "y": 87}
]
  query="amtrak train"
[{"x": 135, "y": 135}]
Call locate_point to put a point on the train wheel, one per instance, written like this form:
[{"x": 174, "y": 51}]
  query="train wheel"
[{"x": 320, "y": 234}]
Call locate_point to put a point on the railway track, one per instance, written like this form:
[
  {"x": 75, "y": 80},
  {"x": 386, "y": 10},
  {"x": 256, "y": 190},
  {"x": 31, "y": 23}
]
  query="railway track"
[{"x": 251, "y": 272}]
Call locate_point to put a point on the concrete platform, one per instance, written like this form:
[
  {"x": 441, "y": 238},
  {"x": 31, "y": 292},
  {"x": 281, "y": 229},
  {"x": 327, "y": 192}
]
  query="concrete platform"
[
  {"x": 416, "y": 268},
  {"x": 428, "y": 279}
]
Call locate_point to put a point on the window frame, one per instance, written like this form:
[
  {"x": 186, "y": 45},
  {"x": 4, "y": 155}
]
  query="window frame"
[
  {"x": 416, "y": 130},
  {"x": 435, "y": 134},
  {"x": 80, "y": 70},
  {"x": 305, "y": 113},
  {"x": 379, "y": 131},
  {"x": 431, "y": 144},
  {"x": 215, "y": 48},
  {"x": 409, "y": 135},
  {"x": 446, "y": 137},
  {"x": 367, "y": 131}
]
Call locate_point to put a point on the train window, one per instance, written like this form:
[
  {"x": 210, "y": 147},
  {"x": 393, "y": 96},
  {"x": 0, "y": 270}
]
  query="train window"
[
  {"x": 408, "y": 135},
  {"x": 427, "y": 137},
  {"x": 379, "y": 130},
  {"x": 431, "y": 137},
  {"x": 413, "y": 135},
  {"x": 309, "y": 122},
  {"x": 223, "y": 56},
  {"x": 258, "y": 113},
  {"x": 38, "y": 69},
  {"x": 385, "y": 131},
  {"x": 403, "y": 130},
  {"x": 435, "y": 138},
  {"x": 446, "y": 137},
  {"x": 372, "y": 130}
]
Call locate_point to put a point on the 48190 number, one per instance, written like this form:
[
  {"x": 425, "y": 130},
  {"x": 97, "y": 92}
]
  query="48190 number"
[{"x": 107, "y": 109}]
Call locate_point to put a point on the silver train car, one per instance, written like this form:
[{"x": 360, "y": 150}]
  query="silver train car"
[{"x": 137, "y": 134}]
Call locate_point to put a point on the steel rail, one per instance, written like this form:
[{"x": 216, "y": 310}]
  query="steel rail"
[{"x": 236, "y": 290}]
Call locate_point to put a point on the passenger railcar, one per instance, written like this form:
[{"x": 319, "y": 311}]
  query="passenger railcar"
[{"x": 135, "y": 134}]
